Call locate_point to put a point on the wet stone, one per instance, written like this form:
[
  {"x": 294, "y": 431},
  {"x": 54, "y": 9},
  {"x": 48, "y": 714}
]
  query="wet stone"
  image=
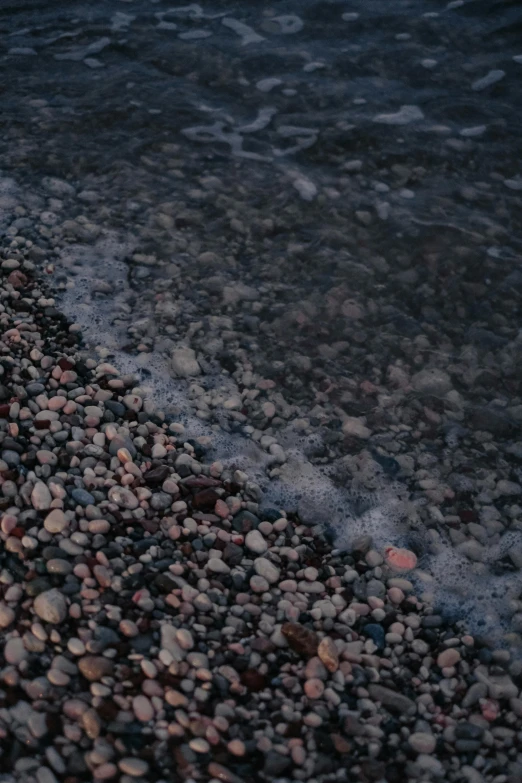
[
  {"x": 245, "y": 521},
  {"x": 377, "y": 634}
]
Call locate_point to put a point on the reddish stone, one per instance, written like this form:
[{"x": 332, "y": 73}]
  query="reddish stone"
[
  {"x": 301, "y": 639},
  {"x": 42, "y": 424},
  {"x": 341, "y": 744},
  {"x": 108, "y": 710},
  {"x": 17, "y": 279},
  {"x": 65, "y": 364},
  {"x": 205, "y": 500},
  {"x": 4, "y": 411},
  {"x": 150, "y": 525},
  {"x": 253, "y": 680},
  {"x": 202, "y": 517}
]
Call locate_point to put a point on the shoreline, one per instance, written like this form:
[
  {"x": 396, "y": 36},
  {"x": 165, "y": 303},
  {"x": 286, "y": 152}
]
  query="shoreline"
[{"x": 171, "y": 631}]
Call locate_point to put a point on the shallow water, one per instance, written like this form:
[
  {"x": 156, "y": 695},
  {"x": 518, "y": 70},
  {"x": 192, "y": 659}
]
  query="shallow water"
[{"x": 321, "y": 196}]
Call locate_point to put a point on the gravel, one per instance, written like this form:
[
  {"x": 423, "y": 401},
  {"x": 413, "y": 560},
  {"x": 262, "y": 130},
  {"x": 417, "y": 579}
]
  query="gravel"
[{"x": 159, "y": 623}]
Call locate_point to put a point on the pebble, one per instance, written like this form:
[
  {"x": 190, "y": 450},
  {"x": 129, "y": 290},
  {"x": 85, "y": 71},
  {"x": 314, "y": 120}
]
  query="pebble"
[
  {"x": 267, "y": 570},
  {"x": 56, "y": 521},
  {"x": 449, "y": 657},
  {"x": 314, "y": 688},
  {"x": 197, "y": 624},
  {"x": 218, "y": 566},
  {"x": 51, "y": 606},
  {"x": 7, "y": 615},
  {"x": 327, "y": 652},
  {"x": 400, "y": 559},
  {"x": 259, "y": 584},
  {"x": 94, "y": 667},
  {"x": 392, "y": 700},
  {"x": 255, "y": 542},
  {"x": 143, "y": 709},
  {"x": 123, "y": 497},
  {"x": 132, "y": 766},
  {"x": 133, "y": 402},
  {"x": 422, "y": 742}
]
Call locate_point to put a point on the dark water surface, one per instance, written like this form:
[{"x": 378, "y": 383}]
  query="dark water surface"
[{"x": 323, "y": 201}]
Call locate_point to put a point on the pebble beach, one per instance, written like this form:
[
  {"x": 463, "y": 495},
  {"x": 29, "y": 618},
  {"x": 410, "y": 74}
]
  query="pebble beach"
[
  {"x": 260, "y": 392},
  {"x": 157, "y": 627}
]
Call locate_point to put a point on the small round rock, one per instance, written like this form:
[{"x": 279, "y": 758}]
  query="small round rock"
[
  {"x": 56, "y": 521},
  {"x": 422, "y": 742},
  {"x": 255, "y": 542},
  {"x": 7, "y": 616},
  {"x": 133, "y": 767},
  {"x": 51, "y": 606},
  {"x": 448, "y": 657},
  {"x": 94, "y": 667}
]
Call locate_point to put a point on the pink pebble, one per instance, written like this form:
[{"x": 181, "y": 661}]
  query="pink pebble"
[
  {"x": 68, "y": 376},
  {"x": 9, "y": 523},
  {"x": 314, "y": 688},
  {"x": 143, "y": 709},
  {"x": 221, "y": 509},
  {"x": 395, "y": 595},
  {"x": 400, "y": 559},
  {"x": 490, "y": 709}
]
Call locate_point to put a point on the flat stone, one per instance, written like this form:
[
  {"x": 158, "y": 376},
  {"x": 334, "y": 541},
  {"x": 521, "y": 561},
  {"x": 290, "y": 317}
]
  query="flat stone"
[
  {"x": 219, "y": 772},
  {"x": 266, "y": 569},
  {"x": 143, "y": 709},
  {"x": 58, "y": 565},
  {"x": 134, "y": 767},
  {"x": 94, "y": 667},
  {"x": 82, "y": 497},
  {"x": 327, "y": 652},
  {"x": 7, "y": 615},
  {"x": 392, "y": 700}
]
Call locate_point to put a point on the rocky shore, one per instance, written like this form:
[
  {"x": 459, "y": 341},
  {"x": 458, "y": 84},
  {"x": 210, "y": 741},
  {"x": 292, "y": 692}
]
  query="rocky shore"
[{"x": 158, "y": 626}]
